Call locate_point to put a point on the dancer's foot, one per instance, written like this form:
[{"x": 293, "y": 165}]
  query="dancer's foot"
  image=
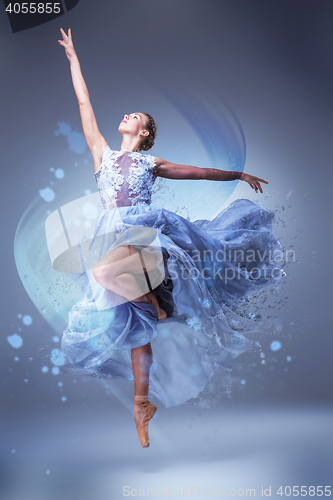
[
  {"x": 143, "y": 412},
  {"x": 150, "y": 298},
  {"x": 153, "y": 300}
]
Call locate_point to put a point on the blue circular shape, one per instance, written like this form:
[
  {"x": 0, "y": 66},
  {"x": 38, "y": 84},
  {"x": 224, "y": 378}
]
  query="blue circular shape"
[{"x": 275, "y": 345}]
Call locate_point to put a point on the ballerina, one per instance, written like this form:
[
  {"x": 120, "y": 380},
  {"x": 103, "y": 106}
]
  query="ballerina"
[{"x": 125, "y": 179}]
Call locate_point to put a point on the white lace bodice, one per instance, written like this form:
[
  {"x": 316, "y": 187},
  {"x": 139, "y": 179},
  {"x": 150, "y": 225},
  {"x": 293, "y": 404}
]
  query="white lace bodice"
[{"x": 125, "y": 178}]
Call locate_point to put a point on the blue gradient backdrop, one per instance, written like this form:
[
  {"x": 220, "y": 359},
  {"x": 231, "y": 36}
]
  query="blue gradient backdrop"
[{"x": 262, "y": 73}]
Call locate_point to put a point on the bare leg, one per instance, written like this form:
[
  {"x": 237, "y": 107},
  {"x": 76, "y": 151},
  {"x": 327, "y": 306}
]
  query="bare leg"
[
  {"x": 124, "y": 259},
  {"x": 142, "y": 358},
  {"x": 106, "y": 274}
]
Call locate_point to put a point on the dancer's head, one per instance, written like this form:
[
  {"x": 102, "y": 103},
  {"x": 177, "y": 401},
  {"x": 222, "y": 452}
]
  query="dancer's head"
[{"x": 139, "y": 126}]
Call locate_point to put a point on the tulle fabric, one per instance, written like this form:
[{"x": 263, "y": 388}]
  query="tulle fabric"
[{"x": 203, "y": 277}]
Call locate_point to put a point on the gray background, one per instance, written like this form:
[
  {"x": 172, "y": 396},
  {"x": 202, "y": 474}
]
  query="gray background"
[{"x": 272, "y": 62}]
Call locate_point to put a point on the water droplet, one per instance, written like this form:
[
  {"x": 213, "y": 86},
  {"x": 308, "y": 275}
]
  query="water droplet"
[{"x": 275, "y": 345}]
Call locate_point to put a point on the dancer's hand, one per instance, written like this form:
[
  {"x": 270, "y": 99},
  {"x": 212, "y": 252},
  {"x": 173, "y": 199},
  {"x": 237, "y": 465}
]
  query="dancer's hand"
[
  {"x": 67, "y": 43},
  {"x": 253, "y": 181}
]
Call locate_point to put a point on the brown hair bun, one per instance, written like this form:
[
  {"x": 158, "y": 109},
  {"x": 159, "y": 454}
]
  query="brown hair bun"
[{"x": 148, "y": 142}]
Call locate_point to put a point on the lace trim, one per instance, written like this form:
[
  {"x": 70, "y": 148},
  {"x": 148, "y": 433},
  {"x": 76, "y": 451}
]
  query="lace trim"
[
  {"x": 109, "y": 177},
  {"x": 140, "y": 177}
]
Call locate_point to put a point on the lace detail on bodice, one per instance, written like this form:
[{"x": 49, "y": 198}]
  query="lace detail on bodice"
[{"x": 125, "y": 178}]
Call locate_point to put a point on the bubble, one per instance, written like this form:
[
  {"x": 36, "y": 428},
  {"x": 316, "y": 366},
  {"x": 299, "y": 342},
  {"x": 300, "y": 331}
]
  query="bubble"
[
  {"x": 15, "y": 340},
  {"x": 56, "y": 338},
  {"x": 57, "y": 357},
  {"x": 47, "y": 194},
  {"x": 45, "y": 369},
  {"x": 275, "y": 345},
  {"x": 64, "y": 398},
  {"x": 59, "y": 173},
  {"x": 55, "y": 370},
  {"x": 288, "y": 358},
  {"x": 27, "y": 320},
  {"x": 76, "y": 140}
]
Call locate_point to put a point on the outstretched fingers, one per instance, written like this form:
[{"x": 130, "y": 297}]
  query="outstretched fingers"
[
  {"x": 256, "y": 184},
  {"x": 261, "y": 180},
  {"x": 65, "y": 37}
]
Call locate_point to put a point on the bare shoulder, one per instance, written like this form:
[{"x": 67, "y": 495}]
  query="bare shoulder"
[
  {"x": 97, "y": 152},
  {"x": 158, "y": 168},
  {"x": 159, "y": 161}
]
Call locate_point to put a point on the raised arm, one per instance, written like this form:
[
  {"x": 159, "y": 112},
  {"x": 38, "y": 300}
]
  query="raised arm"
[
  {"x": 94, "y": 138},
  {"x": 170, "y": 170}
]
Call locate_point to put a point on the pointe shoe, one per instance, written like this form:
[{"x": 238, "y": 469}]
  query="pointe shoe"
[
  {"x": 142, "y": 427},
  {"x": 153, "y": 300}
]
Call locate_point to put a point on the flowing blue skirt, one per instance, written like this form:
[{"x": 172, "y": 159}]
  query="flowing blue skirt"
[{"x": 202, "y": 269}]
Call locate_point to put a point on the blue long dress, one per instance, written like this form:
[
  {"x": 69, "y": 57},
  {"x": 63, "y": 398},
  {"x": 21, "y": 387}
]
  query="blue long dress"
[{"x": 202, "y": 268}]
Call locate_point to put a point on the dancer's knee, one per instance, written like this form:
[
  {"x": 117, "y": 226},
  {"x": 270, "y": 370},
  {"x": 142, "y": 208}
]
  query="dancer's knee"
[{"x": 104, "y": 274}]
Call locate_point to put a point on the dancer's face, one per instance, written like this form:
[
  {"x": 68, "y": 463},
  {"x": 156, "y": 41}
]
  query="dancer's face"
[{"x": 134, "y": 124}]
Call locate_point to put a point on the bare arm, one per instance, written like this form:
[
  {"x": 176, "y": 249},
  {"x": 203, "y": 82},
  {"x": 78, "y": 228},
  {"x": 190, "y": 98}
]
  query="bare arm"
[
  {"x": 94, "y": 138},
  {"x": 170, "y": 170}
]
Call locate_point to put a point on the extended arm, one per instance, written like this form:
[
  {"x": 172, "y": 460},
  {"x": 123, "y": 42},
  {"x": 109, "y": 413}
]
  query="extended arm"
[
  {"x": 94, "y": 138},
  {"x": 170, "y": 170}
]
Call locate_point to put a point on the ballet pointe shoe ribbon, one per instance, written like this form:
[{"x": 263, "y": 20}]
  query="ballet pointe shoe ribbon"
[{"x": 144, "y": 410}]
